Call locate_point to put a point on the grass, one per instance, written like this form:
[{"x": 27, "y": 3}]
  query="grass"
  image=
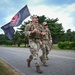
[
  {"x": 55, "y": 47},
  {"x": 6, "y": 69},
  {"x": 21, "y": 46}
]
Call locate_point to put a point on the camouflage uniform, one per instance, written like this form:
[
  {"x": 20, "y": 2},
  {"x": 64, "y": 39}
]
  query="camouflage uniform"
[
  {"x": 34, "y": 39},
  {"x": 46, "y": 47},
  {"x": 47, "y": 38}
]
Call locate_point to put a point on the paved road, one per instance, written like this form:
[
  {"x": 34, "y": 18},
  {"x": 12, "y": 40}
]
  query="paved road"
[{"x": 59, "y": 63}]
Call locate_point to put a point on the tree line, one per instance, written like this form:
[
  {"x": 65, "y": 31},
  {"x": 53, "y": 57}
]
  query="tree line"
[{"x": 57, "y": 31}]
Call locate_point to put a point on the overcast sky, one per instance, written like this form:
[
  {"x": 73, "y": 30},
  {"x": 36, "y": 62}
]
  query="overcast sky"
[{"x": 64, "y": 10}]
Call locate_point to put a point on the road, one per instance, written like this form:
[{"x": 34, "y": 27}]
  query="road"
[{"x": 59, "y": 63}]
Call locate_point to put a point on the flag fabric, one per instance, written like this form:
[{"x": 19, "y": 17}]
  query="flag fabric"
[
  {"x": 20, "y": 16},
  {"x": 9, "y": 31},
  {"x": 16, "y": 21}
]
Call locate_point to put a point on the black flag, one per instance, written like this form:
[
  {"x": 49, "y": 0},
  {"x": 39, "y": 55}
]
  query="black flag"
[
  {"x": 20, "y": 16},
  {"x": 9, "y": 31},
  {"x": 16, "y": 21}
]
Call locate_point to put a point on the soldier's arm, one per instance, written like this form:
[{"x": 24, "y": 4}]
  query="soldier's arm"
[
  {"x": 30, "y": 30},
  {"x": 27, "y": 30},
  {"x": 42, "y": 31},
  {"x": 49, "y": 34}
]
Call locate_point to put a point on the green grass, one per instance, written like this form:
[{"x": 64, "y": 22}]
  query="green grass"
[
  {"x": 6, "y": 69},
  {"x": 55, "y": 47},
  {"x": 21, "y": 46}
]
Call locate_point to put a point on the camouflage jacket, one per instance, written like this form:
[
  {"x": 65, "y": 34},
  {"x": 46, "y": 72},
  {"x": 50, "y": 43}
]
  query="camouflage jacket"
[
  {"x": 30, "y": 27},
  {"x": 47, "y": 35}
]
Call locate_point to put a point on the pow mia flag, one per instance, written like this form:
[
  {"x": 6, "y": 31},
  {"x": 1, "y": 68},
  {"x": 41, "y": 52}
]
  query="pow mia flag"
[{"x": 16, "y": 21}]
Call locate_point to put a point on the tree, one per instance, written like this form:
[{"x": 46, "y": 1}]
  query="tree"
[
  {"x": 3, "y": 39},
  {"x": 56, "y": 29},
  {"x": 42, "y": 19},
  {"x": 69, "y": 35},
  {"x": 23, "y": 38},
  {"x": 9, "y": 42},
  {"x": 17, "y": 38}
]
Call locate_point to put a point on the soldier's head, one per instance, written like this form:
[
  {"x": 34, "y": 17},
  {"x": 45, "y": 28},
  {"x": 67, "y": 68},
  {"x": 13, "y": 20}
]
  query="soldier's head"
[
  {"x": 34, "y": 18},
  {"x": 44, "y": 24}
]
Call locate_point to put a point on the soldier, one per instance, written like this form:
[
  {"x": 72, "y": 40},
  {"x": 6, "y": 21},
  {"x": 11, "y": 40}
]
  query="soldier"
[
  {"x": 46, "y": 46},
  {"x": 34, "y": 30}
]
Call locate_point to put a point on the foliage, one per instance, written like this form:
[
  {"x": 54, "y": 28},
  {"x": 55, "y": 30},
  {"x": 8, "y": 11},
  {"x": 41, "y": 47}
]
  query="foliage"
[
  {"x": 56, "y": 29},
  {"x": 67, "y": 45},
  {"x": 3, "y": 39},
  {"x": 9, "y": 42}
]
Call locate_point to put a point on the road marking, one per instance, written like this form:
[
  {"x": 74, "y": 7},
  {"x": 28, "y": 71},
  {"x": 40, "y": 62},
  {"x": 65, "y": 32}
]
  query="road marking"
[{"x": 62, "y": 56}]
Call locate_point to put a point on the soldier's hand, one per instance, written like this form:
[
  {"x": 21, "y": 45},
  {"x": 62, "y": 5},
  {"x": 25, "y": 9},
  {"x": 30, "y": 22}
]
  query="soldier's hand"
[
  {"x": 35, "y": 30},
  {"x": 42, "y": 33},
  {"x": 50, "y": 41},
  {"x": 40, "y": 42}
]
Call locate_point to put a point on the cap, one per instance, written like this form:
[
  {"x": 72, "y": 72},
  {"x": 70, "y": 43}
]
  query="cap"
[
  {"x": 34, "y": 16},
  {"x": 44, "y": 23}
]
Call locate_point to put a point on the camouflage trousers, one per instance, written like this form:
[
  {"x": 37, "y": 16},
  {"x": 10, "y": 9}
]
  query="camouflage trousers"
[
  {"x": 45, "y": 49},
  {"x": 34, "y": 48}
]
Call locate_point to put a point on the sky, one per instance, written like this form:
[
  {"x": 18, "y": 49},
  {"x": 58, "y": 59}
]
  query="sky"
[{"x": 64, "y": 10}]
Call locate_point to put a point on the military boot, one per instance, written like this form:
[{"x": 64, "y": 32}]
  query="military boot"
[
  {"x": 38, "y": 70},
  {"x": 28, "y": 62},
  {"x": 41, "y": 58},
  {"x": 44, "y": 64}
]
